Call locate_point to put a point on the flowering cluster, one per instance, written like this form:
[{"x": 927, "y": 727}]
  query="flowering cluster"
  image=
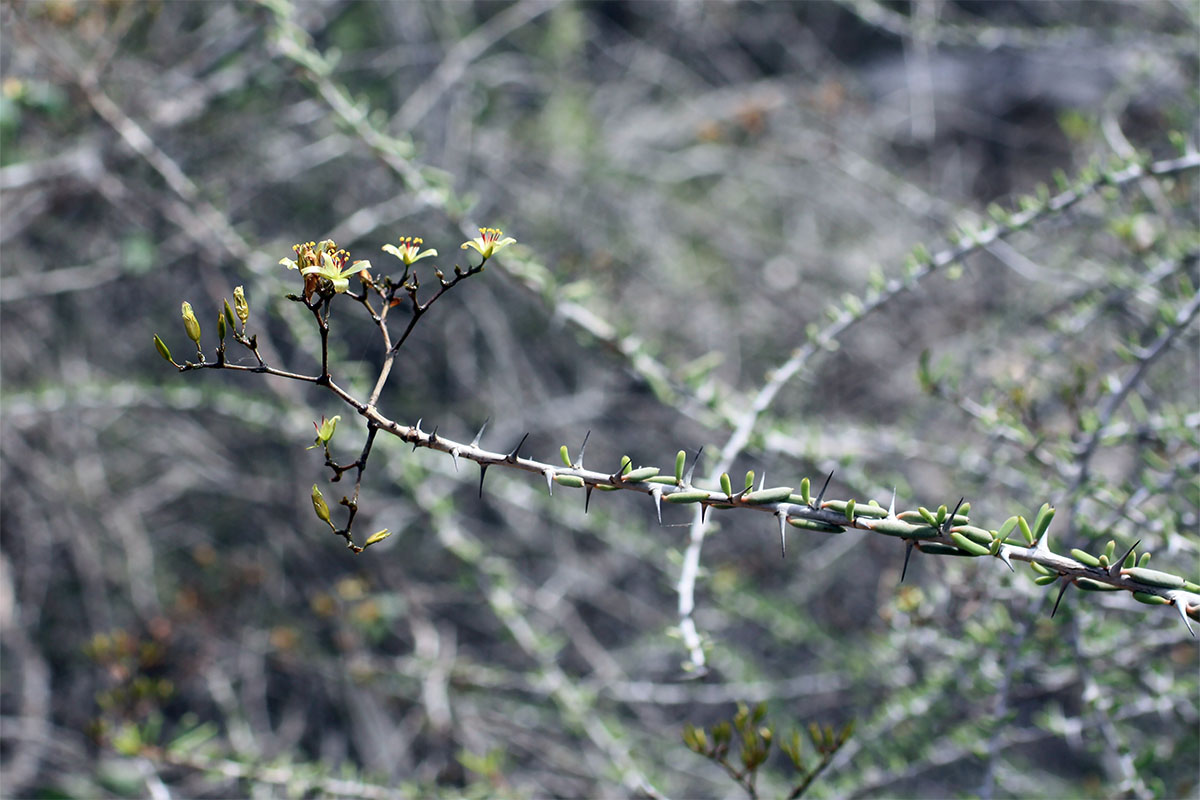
[{"x": 324, "y": 261}]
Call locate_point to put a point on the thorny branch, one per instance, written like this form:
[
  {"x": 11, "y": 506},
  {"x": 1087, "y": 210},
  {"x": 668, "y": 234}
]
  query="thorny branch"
[{"x": 929, "y": 532}]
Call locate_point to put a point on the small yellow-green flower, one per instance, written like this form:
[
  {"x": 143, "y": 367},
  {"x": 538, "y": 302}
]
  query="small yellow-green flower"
[
  {"x": 488, "y": 242},
  {"x": 325, "y": 429},
  {"x": 409, "y": 250},
  {"x": 240, "y": 305},
  {"x": 333, "y": 269}
]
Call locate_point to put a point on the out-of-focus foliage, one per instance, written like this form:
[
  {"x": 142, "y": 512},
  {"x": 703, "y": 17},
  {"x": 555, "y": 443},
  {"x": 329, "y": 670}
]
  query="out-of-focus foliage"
[{"x": 692, "y": 185}]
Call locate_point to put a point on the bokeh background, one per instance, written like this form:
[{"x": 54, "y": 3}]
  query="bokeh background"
[{"x": 693, "y": 187}]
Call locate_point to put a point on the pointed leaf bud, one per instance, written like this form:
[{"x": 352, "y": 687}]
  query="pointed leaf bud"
[
  {"x": 229, "y": 316},
  {"x": 161, "y": 347},
  {"x": 190, "y": 323},
  {"x": 378, "y": 536},
  {"x": 221, "y": 327},
  {"x": 320, "y": 506}
]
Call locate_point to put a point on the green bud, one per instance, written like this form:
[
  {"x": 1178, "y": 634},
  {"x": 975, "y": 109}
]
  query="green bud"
[
  {"x": 849, "y": 511},
  {"x": 680, "y": 460},
  {"x": 228, "y": 315},
  {"x": 320, "y": 506},
  {"x": 241, "y": 306},
  {"x": 161, "y": 347},
  {"x": 221, "y": 327},
  {"x": 574, "y": 481},
  {"x": 804, "y": 489},
  {"x": 565, "y": 455},
  {"x": 726, "y": 484},
  {"x": 378, "y": 536},
  {"x": 190, "y": 323},
  {"x": 779, "y": 494},
  {"x": 640, "y": 474}
]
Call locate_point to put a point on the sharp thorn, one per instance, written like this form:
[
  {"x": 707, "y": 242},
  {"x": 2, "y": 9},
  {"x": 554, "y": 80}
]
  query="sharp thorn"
[
  {"x": 1179, "y": 603},
  {"x": 417, "y": 440},
  {"x": 478, "y": 436},
  {"x": 782, "y": 534},
  {"x": 549, "y": 481},
  {"x": 587, "y": 497},
  {"x": 908, "y": 548},
  {"x": 454, "y": 458},
  {"x": 949, "y": 523},
  {"x": 892, "y": 507},
  {"x": 762, "y": 482},
  {"x": 656, "y": 493},
  {"x": 482, "y": 473},
  {"x": 821, "y": 494},
  {"x": 1120, "y": 562},
  {"x": 1002, "y": 554},
  {"x": 512, "y": 457},
  {"x": 582, "y": 448},
  {"x": 433, "y": 434},
  {"x": 703, "y": 512},
  {"x": 687, "y": 479},
  {"x": 1058, "y": 600}
]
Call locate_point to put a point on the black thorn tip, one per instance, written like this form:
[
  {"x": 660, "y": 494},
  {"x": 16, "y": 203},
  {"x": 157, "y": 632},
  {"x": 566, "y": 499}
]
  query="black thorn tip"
[
  {"x": 1058, "y": 600},
  {"x": 582, "y": 449},
  {"x": 908, "y": 548},
  {"x": 703, "y": 512},
  {"x": 687, "y": 479},
  {"x": 821, "y": 494},
  {"x": 1127, "y": 552},
  {"x": 482, "y": 473},
  {"x": 949, "y": 523},
  {"x": 512, "y": 457},
  {"x": 587, "y": 497}
]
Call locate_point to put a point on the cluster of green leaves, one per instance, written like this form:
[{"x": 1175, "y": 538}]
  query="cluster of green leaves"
[{"x": 754, "y": 737}]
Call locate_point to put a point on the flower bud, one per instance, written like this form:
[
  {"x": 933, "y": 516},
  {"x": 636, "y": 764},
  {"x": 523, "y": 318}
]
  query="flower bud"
[
  {"x": 240, "y": 305},
  {"x": 191, "y": 324},
  {"x": 320, "y": 506},
  {"x": 161, "y": 347},
  {"x": 229, "y": 316},
  {"x": 221, "y": 327}
]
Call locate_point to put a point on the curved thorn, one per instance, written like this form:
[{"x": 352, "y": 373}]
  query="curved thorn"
[
  {"x": 703, "y": 512},
  {"x": 687, "y": 479},
  {"x": 479, "y": 435},
  {"x": 512, "y": 457},
  {"x": 482, "y": 473},
  {"x": 892, "y": 507},
  {"x": 454, "y": 457},
  {"x": 1061, "y": 592},
  {"x": 417, "y": 440},
  {"x": 433, "y": 434},
  {"x": 908, "y": 548},
  {"x": 820, "y": 495},
  {"x": 587, "y": 497}
]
